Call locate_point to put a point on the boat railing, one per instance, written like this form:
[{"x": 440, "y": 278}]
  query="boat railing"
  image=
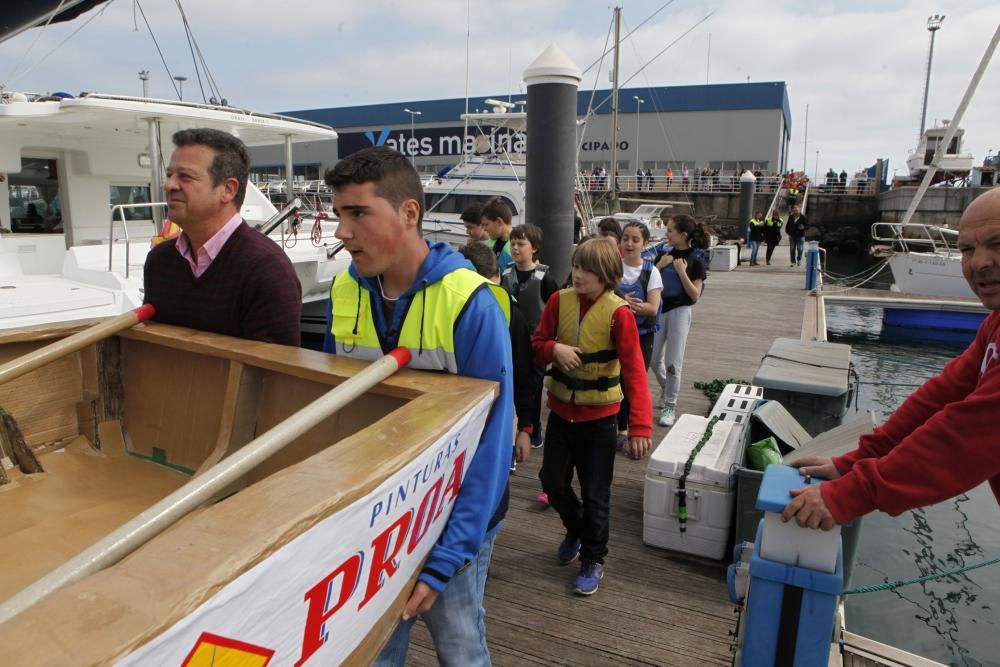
[
  {"x": 289, "y": 210},
  {"x": 916, "y": 237},
  {"x": 118, "y": 212}
]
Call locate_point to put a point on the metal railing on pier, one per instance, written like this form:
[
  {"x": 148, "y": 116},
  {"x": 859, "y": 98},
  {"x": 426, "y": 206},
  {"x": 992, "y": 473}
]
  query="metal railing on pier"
[{"x": 730, "y": 183}]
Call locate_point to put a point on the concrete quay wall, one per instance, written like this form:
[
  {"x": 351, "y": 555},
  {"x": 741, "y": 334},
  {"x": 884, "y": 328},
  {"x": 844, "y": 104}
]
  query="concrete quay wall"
[{"x": 940, "y": 206}]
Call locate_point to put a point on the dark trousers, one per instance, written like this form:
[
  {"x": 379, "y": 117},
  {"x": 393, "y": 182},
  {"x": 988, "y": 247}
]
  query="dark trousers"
[
  {"x": 771, "y": 245},
  {"x": 646, "y": 346},
  {"x": 536, "y": 404},
  {"x": 589, "y": 449}
]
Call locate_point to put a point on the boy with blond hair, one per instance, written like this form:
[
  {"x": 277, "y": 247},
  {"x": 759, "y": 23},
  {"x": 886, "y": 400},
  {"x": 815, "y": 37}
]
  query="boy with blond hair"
[{"x": 589, "y": 336}]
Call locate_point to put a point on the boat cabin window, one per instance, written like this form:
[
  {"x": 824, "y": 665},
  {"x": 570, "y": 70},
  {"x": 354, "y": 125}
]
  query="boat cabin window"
[
  {"x": 134, "y": 199},
  {"x": 436, "y": 202},
  {"x": 33, "y": 195}
]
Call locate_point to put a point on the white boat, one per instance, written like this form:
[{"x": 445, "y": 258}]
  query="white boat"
[
  {"x": 496, "y": 169},
  {"x": 954, "y": 163},
  {"x": 924, "y": 259},
  {"x": 653, "y": 215},
  {"x": 77, "y": 197}
]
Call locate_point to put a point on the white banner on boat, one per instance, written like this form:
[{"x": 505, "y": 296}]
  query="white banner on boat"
[{"x": 315, "y": 599}]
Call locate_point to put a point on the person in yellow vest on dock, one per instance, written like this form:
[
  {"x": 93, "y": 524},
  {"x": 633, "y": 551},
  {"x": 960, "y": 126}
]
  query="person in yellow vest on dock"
[
  {"x": 401, "y": 291},
  {"x": 589, "y": 336}
]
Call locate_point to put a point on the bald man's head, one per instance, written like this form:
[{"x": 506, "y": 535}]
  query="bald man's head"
[{"x": 979, "y": 243}]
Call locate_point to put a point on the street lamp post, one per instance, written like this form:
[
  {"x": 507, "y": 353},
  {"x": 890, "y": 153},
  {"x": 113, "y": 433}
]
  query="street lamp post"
[
  {"x": 816, "y": 169},
  {"x": 933, "y": 25},
  {"x": 144, "y": 77},
  {"x": 180, "y": 79},
  {"x": 638, "y": 105},
  {"x": 413, "y": 154}
]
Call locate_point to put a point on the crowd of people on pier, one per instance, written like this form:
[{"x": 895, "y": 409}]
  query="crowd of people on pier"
[{"x": 494, "y": 311}]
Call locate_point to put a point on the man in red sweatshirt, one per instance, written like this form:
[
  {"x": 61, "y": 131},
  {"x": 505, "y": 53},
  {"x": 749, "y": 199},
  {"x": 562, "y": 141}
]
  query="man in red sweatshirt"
[{"x": 943, "y": 440}]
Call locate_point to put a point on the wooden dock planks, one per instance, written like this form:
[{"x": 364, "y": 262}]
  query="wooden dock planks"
[{"x": 654, "y": 607}]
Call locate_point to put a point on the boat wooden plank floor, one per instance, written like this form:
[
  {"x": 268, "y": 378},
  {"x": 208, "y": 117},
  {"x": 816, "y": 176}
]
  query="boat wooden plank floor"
[{"x": 654, "y": 607}]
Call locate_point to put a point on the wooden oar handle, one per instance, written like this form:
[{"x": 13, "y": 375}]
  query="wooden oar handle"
[{"x": 44, "y": 355}]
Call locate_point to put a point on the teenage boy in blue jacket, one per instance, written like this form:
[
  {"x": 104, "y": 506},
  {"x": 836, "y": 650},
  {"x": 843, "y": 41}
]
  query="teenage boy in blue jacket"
[{"x": 396, "y": 278}]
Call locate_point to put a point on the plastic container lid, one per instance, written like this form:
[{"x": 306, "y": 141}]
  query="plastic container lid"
[
  {"x": 775, "y": 488},
  {"x": 808, "y": 367},
  {"x": 714, "y": 462}
]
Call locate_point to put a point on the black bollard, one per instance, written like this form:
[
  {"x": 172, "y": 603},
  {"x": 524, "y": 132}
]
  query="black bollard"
[
  {"x": 550, "y": 172},
  {"x": 747, "y": 184}
]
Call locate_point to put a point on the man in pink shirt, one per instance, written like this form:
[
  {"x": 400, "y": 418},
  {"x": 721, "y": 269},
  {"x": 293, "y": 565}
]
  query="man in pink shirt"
[{"x": 219, "y": 274}]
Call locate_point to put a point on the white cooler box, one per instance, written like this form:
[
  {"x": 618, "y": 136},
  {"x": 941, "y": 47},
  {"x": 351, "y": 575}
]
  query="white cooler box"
[
  {"x": 710, "y": 491},
  {"x": 724, "y": 257}
]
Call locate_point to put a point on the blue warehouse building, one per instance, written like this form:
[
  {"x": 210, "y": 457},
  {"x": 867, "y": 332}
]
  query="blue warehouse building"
[{"x": 719, "y": 126}]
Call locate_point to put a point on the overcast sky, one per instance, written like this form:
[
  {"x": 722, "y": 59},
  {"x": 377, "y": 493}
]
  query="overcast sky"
[{"x": 858, "y": 65}]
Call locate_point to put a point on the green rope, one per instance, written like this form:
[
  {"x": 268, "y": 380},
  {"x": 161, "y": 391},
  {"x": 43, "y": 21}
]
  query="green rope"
[
  {"x": 714, "y": 388},
  {"x": 892, "y": 585},
  {"x": 682, "y": 512}
]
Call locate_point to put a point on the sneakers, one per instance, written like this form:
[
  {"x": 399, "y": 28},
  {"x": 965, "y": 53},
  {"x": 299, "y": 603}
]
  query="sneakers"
[
  {"x": 589, "y": 579},
  {"x": 667, "y": 417},
  {"x": 537, "y": 439},
  {"x": 568, "y": 549},
  {"x": 621, "y": 441}
]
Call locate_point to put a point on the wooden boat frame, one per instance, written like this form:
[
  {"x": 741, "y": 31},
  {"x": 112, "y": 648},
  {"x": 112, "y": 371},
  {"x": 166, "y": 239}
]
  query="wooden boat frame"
[{"x": 187, "y": 399}]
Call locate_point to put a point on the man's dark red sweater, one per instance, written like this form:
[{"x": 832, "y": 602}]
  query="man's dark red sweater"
[
  {"x": 942, "y": 441},
  {"x": 250, "y": 290}
]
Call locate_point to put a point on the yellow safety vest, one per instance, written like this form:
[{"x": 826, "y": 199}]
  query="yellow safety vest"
[
  {"x": 503, "y": 298},
  {"x": 429, "y": 326},
  {"x": 598, "y": 380}
]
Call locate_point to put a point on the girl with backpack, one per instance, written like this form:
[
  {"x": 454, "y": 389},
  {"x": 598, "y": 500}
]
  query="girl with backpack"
[
  {"x": 640, "y": 287},
  {"x": 683, "y": 272}
]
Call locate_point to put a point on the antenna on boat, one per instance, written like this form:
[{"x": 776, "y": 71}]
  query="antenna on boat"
[{"x": 933, "y": 25}]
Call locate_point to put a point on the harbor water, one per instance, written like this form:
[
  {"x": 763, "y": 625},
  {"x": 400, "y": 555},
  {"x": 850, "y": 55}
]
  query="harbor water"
[{"x": 955, "y": 620}]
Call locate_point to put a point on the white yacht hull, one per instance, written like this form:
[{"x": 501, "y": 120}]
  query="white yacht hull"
[{"x": 931, "y": 274}]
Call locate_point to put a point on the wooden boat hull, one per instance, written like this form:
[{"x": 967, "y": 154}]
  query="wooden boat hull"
[{"x": 307, "y": 562}]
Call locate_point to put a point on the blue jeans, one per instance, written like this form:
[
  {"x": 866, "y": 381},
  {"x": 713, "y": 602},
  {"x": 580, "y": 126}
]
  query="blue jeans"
[
  {"x": 754, "y": 247},
  {"x": 457, "y": 621},
  {"x": 795, "y": 245}
]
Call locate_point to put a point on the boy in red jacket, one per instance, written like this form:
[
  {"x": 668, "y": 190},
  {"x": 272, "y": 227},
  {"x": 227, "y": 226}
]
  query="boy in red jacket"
[{"x": 589, "y": 336}]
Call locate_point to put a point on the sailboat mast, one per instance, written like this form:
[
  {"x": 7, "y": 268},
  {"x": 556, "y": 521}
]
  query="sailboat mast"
[{"x": 614, "y": 105}]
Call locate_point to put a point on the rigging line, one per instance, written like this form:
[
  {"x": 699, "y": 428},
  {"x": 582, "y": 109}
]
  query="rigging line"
[
  {"x": 38, "y": 36},
  {"x": 644, "y": 22},
  {"x": 659, "y": 119},
  {"x": 16, "y": 74},
  {"x": 665, "y": 49},
  {"x": 170, "y": 74},
  {"x": 468, "y": 32},
  {"x": 213, "y": 88},
  {"x": 194, "y": 59},
  {"x": 593, "y": 92},
  {"x": 69, "y": 37}
]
